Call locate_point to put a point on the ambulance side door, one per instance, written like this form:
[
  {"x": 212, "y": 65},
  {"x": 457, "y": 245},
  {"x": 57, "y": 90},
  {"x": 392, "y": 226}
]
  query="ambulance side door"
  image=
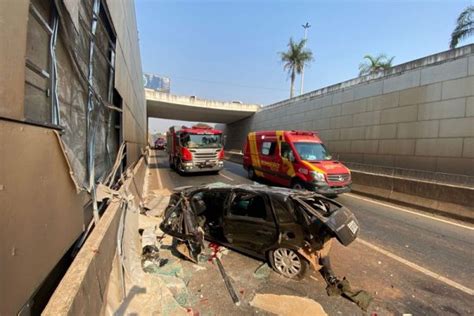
[
  {"x": 268, "y": 159},
  {"x": 286, "y": 163}
]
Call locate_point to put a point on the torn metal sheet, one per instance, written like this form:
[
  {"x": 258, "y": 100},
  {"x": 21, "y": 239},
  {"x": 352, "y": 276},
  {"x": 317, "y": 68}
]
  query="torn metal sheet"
[
  {"x": 103, "y": 192},
  {"x": 71, "y": 172},
  {"x": 314, "y": 256}
]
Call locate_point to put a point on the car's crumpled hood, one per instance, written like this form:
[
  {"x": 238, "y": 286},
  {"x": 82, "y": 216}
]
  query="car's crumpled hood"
[{"x": 341, "y": 222}]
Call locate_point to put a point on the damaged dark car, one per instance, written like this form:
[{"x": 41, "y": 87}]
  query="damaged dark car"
[{"x": 291, "y": 229}]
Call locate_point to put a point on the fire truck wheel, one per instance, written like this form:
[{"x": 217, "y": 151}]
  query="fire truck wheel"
[
  {"x": 251, "y": 173},
  {"x": 179, "y": 168}
]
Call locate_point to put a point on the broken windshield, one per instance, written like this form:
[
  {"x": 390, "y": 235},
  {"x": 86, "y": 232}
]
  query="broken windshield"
[
  {"x": 201, "y": 141},
  {"x": 312, "y": 151}
]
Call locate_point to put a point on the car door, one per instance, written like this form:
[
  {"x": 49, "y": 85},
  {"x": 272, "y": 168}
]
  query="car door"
[{"x": 249, "y": 224}]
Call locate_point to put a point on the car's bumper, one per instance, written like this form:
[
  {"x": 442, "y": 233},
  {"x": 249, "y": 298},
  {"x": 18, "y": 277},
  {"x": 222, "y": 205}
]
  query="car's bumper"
[
  {"x": 328, "y": 190},
  {"x": 193, "y": 168}
]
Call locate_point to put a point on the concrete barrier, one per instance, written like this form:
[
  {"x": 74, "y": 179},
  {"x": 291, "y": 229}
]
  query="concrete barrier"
[
  {"x": 82, "y": 290},
  {"x": 455, "y": 201}
]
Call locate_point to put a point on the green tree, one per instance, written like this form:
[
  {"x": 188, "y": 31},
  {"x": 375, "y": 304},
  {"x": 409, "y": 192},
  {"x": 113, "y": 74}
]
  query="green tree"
[
  {"x": 375, "y": 64},
  {"x": 464, "y": 26},
  {"x": 294, "y": 59}
]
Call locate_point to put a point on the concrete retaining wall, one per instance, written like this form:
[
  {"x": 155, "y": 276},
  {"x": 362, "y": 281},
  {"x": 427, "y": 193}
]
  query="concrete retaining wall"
[
  {"x": 415, "y": 116},
  {"x": 83, "y": 289},
  {"x": 449, "y": 200}
]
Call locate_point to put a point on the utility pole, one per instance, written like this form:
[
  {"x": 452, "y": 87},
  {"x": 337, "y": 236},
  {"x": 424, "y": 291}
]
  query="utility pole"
[{"x": 306, "y": 27}]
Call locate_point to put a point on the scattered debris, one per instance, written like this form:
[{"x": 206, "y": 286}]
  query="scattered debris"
[
  {"x": 286, "y": 305},
  {"x": 186, "y": 250},
  {"x": 342, "y": 287},
  {"x": 227, "y": 282},
  {"x": 263, "y": 271}
]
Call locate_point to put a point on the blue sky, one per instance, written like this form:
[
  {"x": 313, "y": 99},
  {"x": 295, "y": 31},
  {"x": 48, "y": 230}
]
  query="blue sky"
[{"x": 228, "y": 50}]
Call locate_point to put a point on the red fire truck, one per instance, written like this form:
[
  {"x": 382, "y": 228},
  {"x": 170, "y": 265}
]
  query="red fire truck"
[
  {"x": 297, "y": 159},
  {"x": 195, "y": 149}
]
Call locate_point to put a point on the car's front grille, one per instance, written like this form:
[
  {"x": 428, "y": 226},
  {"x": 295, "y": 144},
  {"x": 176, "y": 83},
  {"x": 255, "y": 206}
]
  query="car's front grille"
[{"x": 343, "y": 177}]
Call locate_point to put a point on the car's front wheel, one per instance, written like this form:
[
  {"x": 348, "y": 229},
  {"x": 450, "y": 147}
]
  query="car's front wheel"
[
  {"x": 288, "y": 263},
  {"x": 298, "y": 185}
]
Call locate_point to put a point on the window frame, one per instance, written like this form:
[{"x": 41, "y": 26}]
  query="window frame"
[
  {"x": 268, "y": 211},
  {"x": 271, "y": 148},
  {"x": 50, "y": 26}
]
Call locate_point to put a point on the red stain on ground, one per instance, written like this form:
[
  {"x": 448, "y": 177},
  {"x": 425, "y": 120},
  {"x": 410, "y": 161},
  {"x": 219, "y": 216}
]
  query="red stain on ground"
[{"x": 214, "y": 250}]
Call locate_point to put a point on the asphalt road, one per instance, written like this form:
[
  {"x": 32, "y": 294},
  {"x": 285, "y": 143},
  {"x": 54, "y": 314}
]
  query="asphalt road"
[{"x": 413, "y": 262}]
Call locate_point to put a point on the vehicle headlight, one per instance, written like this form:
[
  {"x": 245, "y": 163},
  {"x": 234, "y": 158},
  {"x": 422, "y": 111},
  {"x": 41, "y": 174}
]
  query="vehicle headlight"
[{"x": 318, "y": 176}]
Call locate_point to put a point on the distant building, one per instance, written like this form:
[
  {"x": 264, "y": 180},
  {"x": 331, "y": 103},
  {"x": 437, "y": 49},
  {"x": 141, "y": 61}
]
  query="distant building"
[{"x": 156, "y": 82}]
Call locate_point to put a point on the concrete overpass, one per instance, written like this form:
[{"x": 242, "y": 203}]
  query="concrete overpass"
[{"x": 168, "y": 106}]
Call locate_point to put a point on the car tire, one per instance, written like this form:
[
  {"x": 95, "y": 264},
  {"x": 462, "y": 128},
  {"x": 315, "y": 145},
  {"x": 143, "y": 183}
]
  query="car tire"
[
  {"x": 331, "y": 196},
  {"x": 298, "y": 185},
  {"x": 251, "y": 173},
  {"x": 288, "y": 263}
]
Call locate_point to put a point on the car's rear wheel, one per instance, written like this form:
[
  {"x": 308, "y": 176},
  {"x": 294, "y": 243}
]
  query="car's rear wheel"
[{"x": 288, "y": 263}]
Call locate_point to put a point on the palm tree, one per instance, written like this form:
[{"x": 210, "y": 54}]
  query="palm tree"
[
  {"x": 375, "y": 64},
  {"x": 464, "y": 26},
  {"x": 294, "y": 59}
]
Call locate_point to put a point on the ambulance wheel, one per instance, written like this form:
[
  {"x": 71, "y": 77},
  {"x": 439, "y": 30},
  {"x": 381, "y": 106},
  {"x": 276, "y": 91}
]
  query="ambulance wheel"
[
  {"x": 251, "y": 173},
  {"x": 298, "y": 185}
]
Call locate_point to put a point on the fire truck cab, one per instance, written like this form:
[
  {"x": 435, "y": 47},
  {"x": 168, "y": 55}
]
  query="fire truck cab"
[
  {"x": 195, "y": 149},
  {"x": 296, "y": 159}
]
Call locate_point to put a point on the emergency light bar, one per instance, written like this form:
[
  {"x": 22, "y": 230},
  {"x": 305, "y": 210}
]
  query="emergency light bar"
[{"x": 309, "y": 133}]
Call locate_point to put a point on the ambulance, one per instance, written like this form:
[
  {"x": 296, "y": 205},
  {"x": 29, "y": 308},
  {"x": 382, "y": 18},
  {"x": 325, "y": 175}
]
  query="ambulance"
[{"x": 296, "y": 159}]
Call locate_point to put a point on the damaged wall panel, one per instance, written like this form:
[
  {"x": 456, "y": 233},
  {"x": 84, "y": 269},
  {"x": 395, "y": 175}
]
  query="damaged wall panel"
[
  {"x": 41, "y": 213},
  {"x": 38, "y": 199},
  {"x": 12, "y": 60}
]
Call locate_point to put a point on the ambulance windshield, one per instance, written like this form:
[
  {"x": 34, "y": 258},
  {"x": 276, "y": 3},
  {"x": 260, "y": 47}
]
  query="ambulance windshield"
[
  {"x": 201, "y": 141},
  {"x": 312, "y": 151}
]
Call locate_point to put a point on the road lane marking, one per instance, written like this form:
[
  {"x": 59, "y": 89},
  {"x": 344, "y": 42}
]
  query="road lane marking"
[
  {"x": 411, "y": 212},
  {"x": 228, "y": 178},
  {"x": 418, "y": 268},
  {"x": 158, "y": 176}
]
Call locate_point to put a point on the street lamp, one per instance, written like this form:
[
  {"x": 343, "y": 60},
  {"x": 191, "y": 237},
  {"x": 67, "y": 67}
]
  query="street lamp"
[{"x": 306, "y": 27}]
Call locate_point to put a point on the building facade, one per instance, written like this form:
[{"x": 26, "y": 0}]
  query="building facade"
[{"x": 72, "y": 115}]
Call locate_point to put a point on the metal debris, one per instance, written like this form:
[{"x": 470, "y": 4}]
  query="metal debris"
[
  {"x": 227, "y": 282},
  {"x": 262, "y": 272}
]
